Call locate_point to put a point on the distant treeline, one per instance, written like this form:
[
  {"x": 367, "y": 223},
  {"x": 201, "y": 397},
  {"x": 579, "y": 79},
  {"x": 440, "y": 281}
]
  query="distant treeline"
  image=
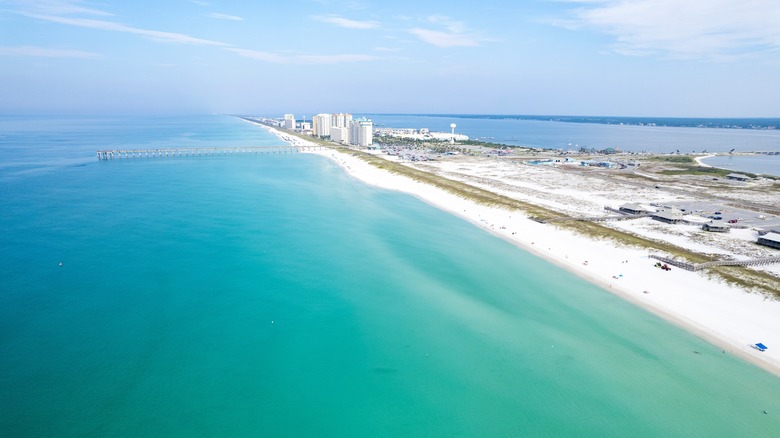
[{"x": 731, "y": 123}]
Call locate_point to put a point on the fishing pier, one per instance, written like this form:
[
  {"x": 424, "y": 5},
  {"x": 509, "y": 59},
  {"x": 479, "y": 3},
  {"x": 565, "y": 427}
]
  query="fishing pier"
[{"x": 110, "y": 154}]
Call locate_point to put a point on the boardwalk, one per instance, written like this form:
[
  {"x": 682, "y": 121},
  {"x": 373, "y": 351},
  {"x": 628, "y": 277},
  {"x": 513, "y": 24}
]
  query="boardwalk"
[
  {"x": 697, "y": 266},
  {"x": 109, "y": 154}
]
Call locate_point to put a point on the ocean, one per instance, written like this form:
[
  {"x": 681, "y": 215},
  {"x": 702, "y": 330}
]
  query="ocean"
[
  {"x": 274, "y": 295},
  {"x": 628, "y": 137}
]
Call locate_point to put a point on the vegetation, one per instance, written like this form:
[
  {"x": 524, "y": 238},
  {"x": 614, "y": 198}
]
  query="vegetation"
[
  {"x": 685, "y": 165},
  {"x": 749, "y": 279},
  {"x": 491, "y": 145},
  {"x": 711, "y": 171},
  {"x": 697, "y": 170},
  {"x": 636, "y": 176},
  {"x": 388, "y": 140},
  {"x": 681, "y": 159}
]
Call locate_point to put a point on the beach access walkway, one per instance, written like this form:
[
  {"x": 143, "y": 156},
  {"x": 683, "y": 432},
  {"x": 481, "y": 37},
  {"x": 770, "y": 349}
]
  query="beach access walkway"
[
  {"x": 699, "y": 266},
  {"x": 109, "y": 154}
]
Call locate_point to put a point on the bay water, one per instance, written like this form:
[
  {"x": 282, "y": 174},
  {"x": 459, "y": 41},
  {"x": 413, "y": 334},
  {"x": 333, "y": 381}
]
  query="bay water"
[
  {"x": 625, "y": 137},
  {"x": 273, "y": 295},
  {"x": 759, "y": 164}
]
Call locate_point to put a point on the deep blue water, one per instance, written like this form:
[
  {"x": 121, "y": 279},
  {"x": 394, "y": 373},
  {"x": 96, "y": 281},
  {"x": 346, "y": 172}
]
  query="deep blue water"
[{"x": 273, "y": 295}]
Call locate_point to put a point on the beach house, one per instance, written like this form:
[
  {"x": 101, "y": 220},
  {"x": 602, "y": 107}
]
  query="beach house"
[
  {"x": 770, "y": 239},
  {"x": 737, "y": 177},
  {"x": 716, "y": 227},
  {"x": 668, "y": 216},
  {"x": 634, "y": 209}
]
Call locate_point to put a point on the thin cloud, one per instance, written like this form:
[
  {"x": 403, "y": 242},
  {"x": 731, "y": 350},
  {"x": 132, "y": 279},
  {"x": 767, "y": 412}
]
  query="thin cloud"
[
  {"x": 455, "y": 33},
  {"x": 346, "y": 22},
  {"x": 57, "y": 7},
  {"x": 695, "y": 29},
  {"x": 357, "y": 6},
  {"x": 172, "y": 37},
  {"x": 43, "y": 52},
  {"x": 259, "y": 55},
  {"x": 443, "y": 39},
  {"x": 167, "y": 37},
  {"x": 276, "y": 58},
  {"x": 333, "y": 59},
  {"x": 451, "y": 25},
  {"x": 225, "y": 16}
]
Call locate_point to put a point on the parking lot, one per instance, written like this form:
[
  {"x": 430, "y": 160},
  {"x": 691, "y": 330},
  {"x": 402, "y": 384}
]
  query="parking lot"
[{"x": 721, "y": 212}]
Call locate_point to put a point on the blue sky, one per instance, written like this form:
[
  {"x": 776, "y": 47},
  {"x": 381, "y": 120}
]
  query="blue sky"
[{"x": 698, "y": 58}]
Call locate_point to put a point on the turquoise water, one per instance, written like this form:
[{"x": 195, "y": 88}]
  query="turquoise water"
[{"x": 276, "y": 296}]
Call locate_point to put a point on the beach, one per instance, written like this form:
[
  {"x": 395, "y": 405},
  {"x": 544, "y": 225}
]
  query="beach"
[{"x": 729, "y": 317}]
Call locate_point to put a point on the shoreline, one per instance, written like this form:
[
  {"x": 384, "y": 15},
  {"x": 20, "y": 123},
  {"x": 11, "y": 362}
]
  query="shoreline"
[
  {"x": 728, "y": 317},
  {"x": 699, "y": 161}
]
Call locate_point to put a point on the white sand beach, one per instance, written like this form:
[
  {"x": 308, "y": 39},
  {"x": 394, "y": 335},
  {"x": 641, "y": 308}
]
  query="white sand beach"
[
  {"x": 700, "y": 162},
  {"x": 727, "y": 316}
]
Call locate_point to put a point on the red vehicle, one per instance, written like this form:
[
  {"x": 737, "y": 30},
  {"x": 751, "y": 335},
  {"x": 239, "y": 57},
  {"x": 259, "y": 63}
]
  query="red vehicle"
[{"x": 733, "y": 221}]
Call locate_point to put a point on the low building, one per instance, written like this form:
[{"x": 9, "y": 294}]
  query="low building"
[
  {"x": 634, "y": 209},
  {"x": 737, "y": 177},
  {"x": 716, "y": 227},
  {"x": 668, "y": 216},
  {"x": 771, "y": 240}
]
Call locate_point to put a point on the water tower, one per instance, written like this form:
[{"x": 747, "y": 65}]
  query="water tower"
[{"x": 452, "y": 138}]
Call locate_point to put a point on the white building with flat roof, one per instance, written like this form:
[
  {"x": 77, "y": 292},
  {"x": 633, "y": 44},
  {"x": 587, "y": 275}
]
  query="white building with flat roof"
[
  {"x": 361, "y": 132},
  {"x": 339, "y": 134},
  {"x": 770, "y": 239},
  {"x": 289, "y": 121},
  {"x": 340, "y": 120},
  {"x": 320, "y": 125}
]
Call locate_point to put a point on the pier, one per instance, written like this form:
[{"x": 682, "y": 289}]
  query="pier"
[{"x": 110, "y": 154}]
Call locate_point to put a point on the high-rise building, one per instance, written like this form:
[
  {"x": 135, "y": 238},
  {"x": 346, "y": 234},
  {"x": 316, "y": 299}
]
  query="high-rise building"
[
  {"x": 289, "y": 121},
  {"x": 340, "y": 135},
  {"x": 340, "y": 120},
  {"x": 321, "y": 125},
  {"x": 361, "y": 132}
]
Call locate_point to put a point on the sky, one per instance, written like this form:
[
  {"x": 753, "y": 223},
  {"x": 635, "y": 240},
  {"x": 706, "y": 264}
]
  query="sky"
[{"x": 664, "y": 58}]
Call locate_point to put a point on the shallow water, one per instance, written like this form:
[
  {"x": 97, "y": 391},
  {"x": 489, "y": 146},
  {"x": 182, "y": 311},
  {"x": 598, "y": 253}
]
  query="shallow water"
[{"x": 759, "y": 164}]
